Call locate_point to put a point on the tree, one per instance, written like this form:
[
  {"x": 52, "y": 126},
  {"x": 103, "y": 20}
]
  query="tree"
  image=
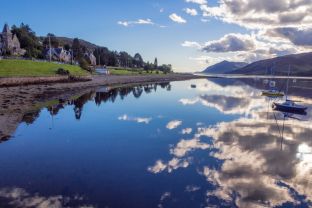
[
  {"x": 84, "y": 64},
  {"x": 53, "y": 40},
  {"x": 125, "y": 59},
  {"x": 156, "y": 63},
  {"x": 77, "y": 50},
  {"x": 28, "y": 40},
  {"x": 138, "y": 60},
  {"x": 166, "y": 68}
]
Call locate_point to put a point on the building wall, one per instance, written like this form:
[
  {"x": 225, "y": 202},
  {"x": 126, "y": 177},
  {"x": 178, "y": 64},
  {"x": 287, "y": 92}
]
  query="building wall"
[{"x": 10, "y": 43}]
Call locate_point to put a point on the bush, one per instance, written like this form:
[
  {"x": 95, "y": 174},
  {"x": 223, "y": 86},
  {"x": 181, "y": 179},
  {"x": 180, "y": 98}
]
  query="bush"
[
  {"x": 84, "y": 64},
  {"x": 62, "y": 71}
]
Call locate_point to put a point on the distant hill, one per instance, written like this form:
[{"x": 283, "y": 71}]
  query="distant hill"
[
  {"x": 301, "y": 65},
  {"x": 69, "y": 41},
  {"x": 224, "y": 67}
]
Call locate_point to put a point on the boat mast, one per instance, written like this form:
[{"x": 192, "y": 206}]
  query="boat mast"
[
  {"x": 287, "y": 83},
  {"x": 50, "y": 48}
]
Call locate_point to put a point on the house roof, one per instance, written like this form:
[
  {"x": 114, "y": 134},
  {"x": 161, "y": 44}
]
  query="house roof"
[{"x": 6, "y": 29}]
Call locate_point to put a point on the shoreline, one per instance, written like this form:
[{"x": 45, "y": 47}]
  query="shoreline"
[{"x": 18, "y": 101}]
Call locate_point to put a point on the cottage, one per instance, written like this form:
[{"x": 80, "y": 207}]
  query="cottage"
[
  {"x": 90, "y": 58},
  {"x": 58, "y": 54},
  {"x": 9, "y": 43}
]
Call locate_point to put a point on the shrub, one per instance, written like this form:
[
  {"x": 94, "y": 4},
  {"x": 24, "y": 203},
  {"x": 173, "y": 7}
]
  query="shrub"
[
  {"x": 62, "y": 71},
  {"x": 84, "y": 64}
]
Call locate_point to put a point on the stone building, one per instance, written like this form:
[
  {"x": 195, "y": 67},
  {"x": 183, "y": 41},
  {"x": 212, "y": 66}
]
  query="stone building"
[
  {"x": 91, "y": 59},
  {"x": 58, "y": 54},
  {"x": 9, "y": 43}
]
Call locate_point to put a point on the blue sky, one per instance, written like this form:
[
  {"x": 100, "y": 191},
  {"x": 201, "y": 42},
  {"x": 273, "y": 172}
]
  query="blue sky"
[{"x": 97, "y": 21}]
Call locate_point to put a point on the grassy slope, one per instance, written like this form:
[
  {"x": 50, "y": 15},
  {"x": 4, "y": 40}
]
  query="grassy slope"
[
  {"x": 27, "y": 68},
  {"x": 121, "y": 71}
]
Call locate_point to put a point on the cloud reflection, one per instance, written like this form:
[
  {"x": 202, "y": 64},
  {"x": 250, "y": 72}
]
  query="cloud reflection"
[
  {"x": 265, "y": 157},
  {"x": 20, "y": 198},
  {"x": 174, "y": 124},
  {"x": 125, "y": 117}
]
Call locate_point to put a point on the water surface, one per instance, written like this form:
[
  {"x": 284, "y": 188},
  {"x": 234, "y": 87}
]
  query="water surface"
[{"x": 167, "y": 145}]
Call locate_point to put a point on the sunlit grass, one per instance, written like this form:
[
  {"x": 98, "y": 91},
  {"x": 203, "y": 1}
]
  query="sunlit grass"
[{"x": 28, "y": 68}]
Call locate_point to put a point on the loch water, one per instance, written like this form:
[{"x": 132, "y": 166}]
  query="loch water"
[{"x": 199, "y": 143}]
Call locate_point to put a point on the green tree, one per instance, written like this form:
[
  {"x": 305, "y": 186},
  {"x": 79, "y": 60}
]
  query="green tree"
[
  {"x": 84, "y": 64},
  {"x": 155, "y": 63},
  {"x": 28, "y": 40},
  {"x": 55, "y": 43},
  {"x": 138, "y": 60},
  {"x": 77, "y": 49}
]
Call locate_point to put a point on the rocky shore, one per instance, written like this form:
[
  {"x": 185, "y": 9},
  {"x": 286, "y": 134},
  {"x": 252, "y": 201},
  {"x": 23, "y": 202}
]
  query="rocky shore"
[{"x": 18, "y": 101}]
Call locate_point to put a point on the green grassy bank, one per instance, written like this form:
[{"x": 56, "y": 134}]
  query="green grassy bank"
[
  {"x": 28, "y": 68},
  {"x": 129, "y": 71}
]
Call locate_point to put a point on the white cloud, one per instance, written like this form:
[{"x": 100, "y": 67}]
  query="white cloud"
[
  {"x": 204, "y": 20},
  {"x": 231, "y": 42},
  {"x": 176, "y": 18},
  {"x": 136, "y": 119},
  {"x": 137, "y": 22},
  {"x": 173, "y": 124},
  {"x": 298, "y": 36},
  {"x": 196, "y": 1},
  {"x": 191, "y": 44},
  {"x": 192, "y": 12},
  {"x": 257, "y": 14},
  {"x": 123, "y": 23}
]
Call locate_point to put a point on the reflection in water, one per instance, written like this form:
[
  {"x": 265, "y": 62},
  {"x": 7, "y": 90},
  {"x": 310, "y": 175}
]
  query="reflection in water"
[
  {"x": 100, "y": 96},
  {"x": 18, "y": 197},
  {"x": 254, "y": 171},
  {"x": 217, "y": 145}
]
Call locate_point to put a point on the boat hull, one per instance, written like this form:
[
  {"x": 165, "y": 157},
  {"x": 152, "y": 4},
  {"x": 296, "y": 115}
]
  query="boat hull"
[
  {"x": 290, "y": 109},
  {"x": 273, "y": 94}
]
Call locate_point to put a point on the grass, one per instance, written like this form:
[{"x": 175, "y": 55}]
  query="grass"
[
  {"x": 28, "y": 68},
  {"x": 129, "y": 71}
]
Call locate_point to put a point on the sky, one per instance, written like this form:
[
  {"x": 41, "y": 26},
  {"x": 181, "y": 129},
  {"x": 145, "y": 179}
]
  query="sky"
[{"x": 189, "y": 34}]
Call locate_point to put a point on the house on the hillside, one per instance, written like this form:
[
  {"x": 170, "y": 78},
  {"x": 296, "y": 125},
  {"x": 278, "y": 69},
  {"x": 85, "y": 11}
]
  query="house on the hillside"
[
  {"x": 89, "y": 56},
  {"x": 9, "y": 43},
  {"x": 58, "y": 54}
]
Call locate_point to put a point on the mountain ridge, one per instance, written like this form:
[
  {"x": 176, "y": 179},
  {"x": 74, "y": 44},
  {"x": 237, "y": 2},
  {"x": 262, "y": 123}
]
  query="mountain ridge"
[
  {"x": 224, "y": 67},
  {"x": 301, "y": 65}
]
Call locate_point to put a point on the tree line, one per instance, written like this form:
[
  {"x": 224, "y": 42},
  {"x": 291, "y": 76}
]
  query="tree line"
[{"x": 35, "y": 46}]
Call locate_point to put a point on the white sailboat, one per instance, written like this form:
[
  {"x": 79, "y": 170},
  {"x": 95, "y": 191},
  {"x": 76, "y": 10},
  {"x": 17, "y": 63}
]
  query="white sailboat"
[{"x": 289, "y": 105}]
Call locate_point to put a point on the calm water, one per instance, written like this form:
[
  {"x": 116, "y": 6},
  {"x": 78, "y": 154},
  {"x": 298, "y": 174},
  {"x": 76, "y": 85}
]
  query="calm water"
[{"x": 217, "y": 145}]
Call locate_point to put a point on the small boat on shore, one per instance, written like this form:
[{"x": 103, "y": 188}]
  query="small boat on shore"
[{"x": 272, "y": 93}]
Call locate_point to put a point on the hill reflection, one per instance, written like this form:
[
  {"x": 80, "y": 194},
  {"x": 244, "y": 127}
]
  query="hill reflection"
[{"x": 100, "y": 96}]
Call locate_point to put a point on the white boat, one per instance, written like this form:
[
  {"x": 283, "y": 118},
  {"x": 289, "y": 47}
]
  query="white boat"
[{"x": 289, "y": 105}]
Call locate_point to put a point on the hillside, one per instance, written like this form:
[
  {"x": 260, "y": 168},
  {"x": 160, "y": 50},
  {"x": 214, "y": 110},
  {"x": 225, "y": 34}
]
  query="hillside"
[
  {"x": 224, "y": 67},
  {"x": 301, "y": 65},
  {"x": 69, "y": 41}
]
